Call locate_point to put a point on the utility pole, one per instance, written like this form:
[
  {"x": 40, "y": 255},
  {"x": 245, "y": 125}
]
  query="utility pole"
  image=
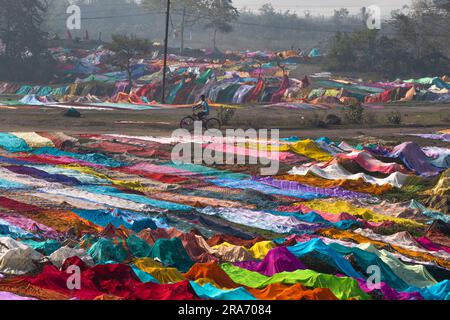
[{"x": 166, "y": 43}]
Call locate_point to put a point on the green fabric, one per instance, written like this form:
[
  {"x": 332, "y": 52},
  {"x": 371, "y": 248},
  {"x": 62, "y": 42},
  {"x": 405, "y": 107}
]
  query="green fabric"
[
  {"x": 413, "y": 275},
  {"x": 138, "y": 247},
  {"x": 342, "y": 287},
  {"x": 208, "y": 172},
  {"x": 172, "y": 254},
  {"x": 105, "y": 250},
  {"x": 45, "y": 247}
]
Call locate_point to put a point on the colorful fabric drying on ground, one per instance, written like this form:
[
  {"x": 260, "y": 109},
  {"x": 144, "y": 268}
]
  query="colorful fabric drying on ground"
[
  {"x": 237, "y": 78},
  {"x": 141, "y": 227}
]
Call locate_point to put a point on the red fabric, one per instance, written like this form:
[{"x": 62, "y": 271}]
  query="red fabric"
[
  {"x": 256, "y": 92},
  {"x": 277, "y": 96},
  {"x": 111, "y": 279},
  {"x": 113, "y": 147},
  {"x": 165, "y": 178},
  {"x": 210, "y": 271},
  {"x": 381, "y": 97},
  {"x": 47, "y": 159},
  {"x": 17, "y": 206}
]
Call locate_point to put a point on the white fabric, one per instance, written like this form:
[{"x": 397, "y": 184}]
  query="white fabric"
[
  {"x": 337, "y": 172},
  {"x": 413, "y": 275},
  {"x": 62, "y": 254},
  {"x": 97, "y": 198},
  {"x": 17, "y": 258},
  {"x": 401, "y": 239}
]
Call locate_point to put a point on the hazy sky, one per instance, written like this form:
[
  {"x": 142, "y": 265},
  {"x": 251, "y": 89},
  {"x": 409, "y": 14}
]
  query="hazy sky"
[{"x": 323, "y": 6}]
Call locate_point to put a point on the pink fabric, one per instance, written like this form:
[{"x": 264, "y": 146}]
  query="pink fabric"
[
  {"x": 371, "y": 164},
  {"x": 7, "y": 296},
  {"x": 28, "y": 224},
  {"x": 429, "y": 245},
  {"x": 153, "y": 168},
  {"x": 47, "y": 159},
  {"x": 226, "y": 148}
]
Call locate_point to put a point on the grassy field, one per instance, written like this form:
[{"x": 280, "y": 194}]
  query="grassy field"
[{"x": 416, "y": 118}]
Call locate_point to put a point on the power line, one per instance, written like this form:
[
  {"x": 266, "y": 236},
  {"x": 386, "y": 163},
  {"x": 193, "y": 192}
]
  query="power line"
[{"x": 301, "y": 29}]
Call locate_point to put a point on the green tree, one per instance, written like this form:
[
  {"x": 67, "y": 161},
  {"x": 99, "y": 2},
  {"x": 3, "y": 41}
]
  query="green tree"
[
  {"x": 125, "y": 49},
  {"x": 221, "y": 14},
  {"x": 189, "y": 10},
  {"x": 24, "y": 54}
]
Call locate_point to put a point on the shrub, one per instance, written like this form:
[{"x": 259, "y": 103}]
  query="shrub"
[
  {"x": 315, "y": 121},
  {"x": 394, "y": 117},
  {"x": 354, "y": 114},
  {"x": 333, "y": 120},
  {"x": 225, "y": 115},
  {"x": 370, "y": 118}
]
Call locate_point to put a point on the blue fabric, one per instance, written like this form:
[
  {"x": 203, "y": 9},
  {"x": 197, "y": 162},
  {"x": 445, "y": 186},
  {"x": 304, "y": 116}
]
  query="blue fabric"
[
  {"x": 366, "y": 259},
  {"x": 334, "y": 258},
  {"x": 46, "y": 247},
  {"x": 12, "y": 231},
  {"x": 442, "y": 161},
  {"x": 117, "y": 218},
  {"x": 113, "y": 192},
  {"x": 11, "y": 143},
  {"x": 439, "y": 291},
  {"x": 143, "y": 276},
  {"x": 5, "y": 184},
  {"x": 435, "y": 215},
  {"x": 207, "y": 172},
  {"x": 250, "y": 184},
  {"x": 291, "y": 139},
  {"x": 313, "y": 217},
  {"x": 39, "y": 174},
  {"x": 80, "y": 176},
  {"x": 208, "y": 291},
  {"x": 105, "y": 250},
  {"x": 95, "y": 158},
  {"x": 138, "y": 247},
  {"x": 13, "y": 161}
]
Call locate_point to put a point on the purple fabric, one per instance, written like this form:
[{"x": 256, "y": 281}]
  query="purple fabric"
[
  {"x": 336, "y": 192},
  {"x": 39, "y": 174},
  {"x": 29, "y": 224},
  {"x": 431, "y": 246},
  {"x": 414, "y": 158},
  {"x": 277, "y": 260},
  {"x": 443, "y": 137},
  {"x": 389, "y": 293},
  {"x": 12, "y": 296}
]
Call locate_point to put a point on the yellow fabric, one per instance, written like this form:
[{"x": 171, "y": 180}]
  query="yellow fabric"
[
  {"x": 154, "y": 268},
  {"x": 269, "y": 147},
  {"x": 346, "y": 235},
  {"x": 34, "y": 140},
  {"x": 447, "y": 131},
  {"x": 332, "y": 92},
  {"x": 203, "y": 281},
  {"x": 135, "y": 185},
  {"x": 339, "y": 206},
  {"x": 409, "y": 95},
  {"x": 442, "y": 188},
  {"x": 260, "y": 249},
  {"x": 310, "y": 149}
]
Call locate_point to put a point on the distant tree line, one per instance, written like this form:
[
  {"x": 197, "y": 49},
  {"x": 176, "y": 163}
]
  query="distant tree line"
[{"x": 419, "y": 44}]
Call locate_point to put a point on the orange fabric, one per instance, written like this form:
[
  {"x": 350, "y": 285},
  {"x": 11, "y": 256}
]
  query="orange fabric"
[
  {"x": 345, "y": 235},
  {"x": 211, "y": 271},
  {"x": 198, "y": 202},
  {"x": 279, "y": 291},
  {"x": 23, "y": 288},
  {"x": 354, "y": 185},
  {"x": 221, "y": 238}
]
